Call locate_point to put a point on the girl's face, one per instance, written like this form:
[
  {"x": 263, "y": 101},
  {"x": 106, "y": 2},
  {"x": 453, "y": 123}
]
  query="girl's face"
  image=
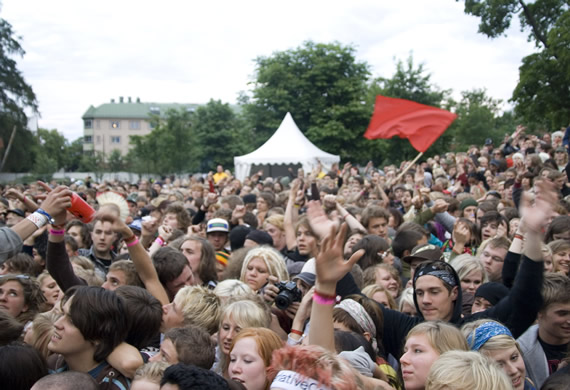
[
  {"x": 12, "y": 298},
  {"x": 352, "y": 240},
  {"x": 406, "y": 199},
  {"x": 471, "y": 282},
  {"x": 228, "y": 330},
  {"x": 418, "y": 357},
  {"x": 51, "y": 290},
  {"x": 247, "y": 366},
  {"x": 547, "y": 257},
  {"x": 306, "y": 242},
  {"x": 381, "y": 298},
  {"x": 386, "y": 279},
  {"x": 510, "y": 361},
  {"x": 561, "y": 261},
  {"x": 256, "y": 273}
]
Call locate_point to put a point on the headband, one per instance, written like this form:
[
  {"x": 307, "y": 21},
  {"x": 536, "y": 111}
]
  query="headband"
[
  {"x": 291, "y": 380},
  {"x": 444, "y": 275},
  {"x": 357, "y": 312},
  {"x": 486, "y": 331}
]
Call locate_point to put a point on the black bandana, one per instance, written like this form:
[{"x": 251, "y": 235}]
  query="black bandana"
[{"x": 442, "y": 274}]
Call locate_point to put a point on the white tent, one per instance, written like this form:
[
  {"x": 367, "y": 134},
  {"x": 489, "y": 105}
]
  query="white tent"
[{"x": 286, "y": 146}]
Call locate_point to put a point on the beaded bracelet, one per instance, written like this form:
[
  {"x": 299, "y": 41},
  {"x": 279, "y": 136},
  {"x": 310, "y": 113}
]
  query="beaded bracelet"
[
  {"x": 130, "y": 239},
  {"x": 135, "y": 242}
]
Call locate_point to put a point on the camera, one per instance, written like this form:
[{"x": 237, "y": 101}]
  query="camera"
[{"x": 288, "y": 293}]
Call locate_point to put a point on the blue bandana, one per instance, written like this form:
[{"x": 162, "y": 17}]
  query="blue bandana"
[{"x": 482, "y": 334}]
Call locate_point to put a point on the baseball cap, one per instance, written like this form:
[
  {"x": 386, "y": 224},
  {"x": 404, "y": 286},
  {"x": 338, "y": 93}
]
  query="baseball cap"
[
  {"x": 424, "y": 252},
  {"x": 217, "y": 225}
]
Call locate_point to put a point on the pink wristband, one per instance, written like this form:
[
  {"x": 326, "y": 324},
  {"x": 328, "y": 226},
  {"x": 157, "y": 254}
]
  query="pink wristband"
[
  {"x": 133, "y": 243},
  {"x": 56, "y": 232},
  {"x": 160, "y": 241},
  {"x": 317, "y": 298}
]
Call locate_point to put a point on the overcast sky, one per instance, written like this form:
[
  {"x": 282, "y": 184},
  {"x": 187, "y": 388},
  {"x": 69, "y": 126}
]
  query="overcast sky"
[{"x": 82, "y": 53}]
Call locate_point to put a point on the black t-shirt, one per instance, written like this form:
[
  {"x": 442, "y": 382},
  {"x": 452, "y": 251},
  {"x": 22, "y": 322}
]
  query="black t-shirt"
[{"x": 554, "y": 354}]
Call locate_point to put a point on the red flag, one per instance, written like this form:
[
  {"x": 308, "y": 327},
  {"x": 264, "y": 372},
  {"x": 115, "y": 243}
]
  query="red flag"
[{"x": 422, "y": 125}]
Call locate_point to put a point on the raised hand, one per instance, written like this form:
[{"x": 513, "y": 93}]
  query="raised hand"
[
  {"x": 318, "y": 220},
  {"x": 535, "y": 215},
  {"x": 330, "y": 263}
]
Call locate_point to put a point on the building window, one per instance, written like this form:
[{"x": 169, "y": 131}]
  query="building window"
[
  {"x": 134, "y": 125},
  {"x": 115, "y": 140},
  {"x": 151, "y": 125},
  {"x": 88, "y": 123},
  {"x": 98, "y": 139},
  {"x": 115, "y": 124},
  {"x": 88, "y": 139},
  {"x": 154, "y": 110}
]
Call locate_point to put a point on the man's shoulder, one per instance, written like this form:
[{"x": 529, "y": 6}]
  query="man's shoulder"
[{"x": 529, "y": 338}]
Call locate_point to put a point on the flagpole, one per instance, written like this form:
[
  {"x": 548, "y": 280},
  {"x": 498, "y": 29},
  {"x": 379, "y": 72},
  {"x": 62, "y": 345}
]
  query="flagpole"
[{"x": 408, "y": 167}]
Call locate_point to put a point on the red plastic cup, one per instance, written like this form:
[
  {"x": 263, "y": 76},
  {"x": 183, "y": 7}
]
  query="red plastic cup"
[{"x": 81, "y": 209}]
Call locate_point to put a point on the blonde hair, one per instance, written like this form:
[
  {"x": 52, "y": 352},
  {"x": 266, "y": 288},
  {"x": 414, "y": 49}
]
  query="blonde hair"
[
  {"x": 232, "y": 287},
  {"x": 199, "y": 307},
  {"x": 276, "y": 220},
  {"x": 407, "y": 296},
  {"x": 372, "y": 289},
  {"x": 42, "y": 328},
  {"x": 272, "y": 259},
  {"x": 442, "y": 336},
  {"x": 246, "y": 314},
  {"x": 465, "y": 264},
  {"x": 151, "y": 372},
  {"x": 457, "y": 370}
]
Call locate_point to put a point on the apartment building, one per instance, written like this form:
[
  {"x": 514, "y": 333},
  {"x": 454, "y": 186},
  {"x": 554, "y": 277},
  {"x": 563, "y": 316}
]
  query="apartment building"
[{"x": 110, "y": 125}]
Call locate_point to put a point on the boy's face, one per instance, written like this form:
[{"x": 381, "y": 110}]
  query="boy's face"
[
  {"x": 67, "y": 339},
  {"x": 554, "y": 324}
]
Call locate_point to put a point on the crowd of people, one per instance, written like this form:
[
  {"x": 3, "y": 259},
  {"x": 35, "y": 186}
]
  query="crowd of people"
[{"x": 448, "y": 273}]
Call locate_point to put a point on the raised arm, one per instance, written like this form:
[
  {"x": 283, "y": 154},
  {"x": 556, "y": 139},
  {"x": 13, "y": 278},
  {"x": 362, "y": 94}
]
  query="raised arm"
[
  {"x": 291, "y": 214},
  {"x": 140, "y": 258},
  {"x": 330, "y": 267}
]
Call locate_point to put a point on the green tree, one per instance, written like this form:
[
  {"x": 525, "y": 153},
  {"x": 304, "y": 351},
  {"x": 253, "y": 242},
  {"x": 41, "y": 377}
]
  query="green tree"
[
  {"x": 541, "y": 96},
  {"x": 53, "y": 144},
  {"x": 115, "y": 161},
  {"x": 220, "y": 135},
  {"x": 15, "y": 96},
  {"x": 93, "y": 162},
  {"x": 73, "y": 153},
  {"x": 413, "y": 83},
  {"x": 171, "y": 147},
  {"x": 324, "y": 88},
  {"x": 478, "y": 119}
]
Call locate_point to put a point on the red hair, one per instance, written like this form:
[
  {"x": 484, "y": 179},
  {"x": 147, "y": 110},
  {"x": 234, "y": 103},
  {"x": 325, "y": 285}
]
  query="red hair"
[{"x": 316, "y": 363}]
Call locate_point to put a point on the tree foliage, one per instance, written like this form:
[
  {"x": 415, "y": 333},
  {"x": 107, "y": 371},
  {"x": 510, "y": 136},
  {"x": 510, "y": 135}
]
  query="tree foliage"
[
  {"x": 542, "y": 95},
  {"x": 15, "y": 96},
  {"x": 169, "y": 148},
  {"x": 220, "y": 135},
  {"x": 479, "y": 118},
  {"x": 322, "y": 86}
]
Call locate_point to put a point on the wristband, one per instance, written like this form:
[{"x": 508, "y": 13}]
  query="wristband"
[
  {"x": 297, "y": 332},
  {"x": 159, "y": 241},
  {"x": 58, "y": 227},
  {"x": 323, "y": 299},
  {"x": 56, "y": 232},
  {"x": 45, "y": 214},
  {"x": 519, "y": 236},
  {"x": 130, "y": 239},
  {"x": 135, "y": 242},
  {"x": 37, "y": 219}
]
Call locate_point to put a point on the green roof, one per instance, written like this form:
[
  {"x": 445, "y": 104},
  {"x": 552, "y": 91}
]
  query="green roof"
[{"x": 139, "y": 110}]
